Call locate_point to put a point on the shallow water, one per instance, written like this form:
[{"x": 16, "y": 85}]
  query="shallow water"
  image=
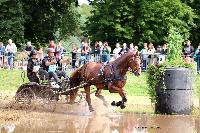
[
  {"x": 106, "y": 123},
  {"x": 77, "y": 119}
]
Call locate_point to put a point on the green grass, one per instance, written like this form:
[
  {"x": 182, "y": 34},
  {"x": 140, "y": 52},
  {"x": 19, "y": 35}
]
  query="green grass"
[{"x": 10, "y": 80}]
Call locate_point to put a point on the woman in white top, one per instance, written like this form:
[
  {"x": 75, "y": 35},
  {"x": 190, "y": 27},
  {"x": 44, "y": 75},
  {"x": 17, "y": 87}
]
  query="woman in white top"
[
  {"x": 11, "y": 49},
  {"x": 116, "y": 51}
]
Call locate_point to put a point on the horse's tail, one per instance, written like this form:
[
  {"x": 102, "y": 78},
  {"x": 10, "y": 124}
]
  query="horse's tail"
[{"x": 75, "y": 81}]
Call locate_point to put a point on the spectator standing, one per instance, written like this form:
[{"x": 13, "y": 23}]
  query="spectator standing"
[
  {"x": 131, "y": 48},
  {"x": 2, "y": 54},
  {"x": 97, "y": 51},
  {"x": 159, "y": 49},
  {"x": 52, "y": 45},
  {"x": 188, "y": 51},
  {"x": 29, "y": 47},
  {"x": 124, "y": 50},
  {"x": 197, "y": 57},
  {"x": 144, "y": 53},
  {"x": 106, "y": 52},
  {"x": 82, "y": 52},
  {"x": 116, "y": 51},
  {"x": 74, "y": 55},
  {"x": 40, "y": 54},
  {"x": 10, "y": 50},
  {"x": 164, "y": 49},
  {"x": 59, "y": 53},
  {"x": 87, "y": 50},
  {"x": 151, "y": 49}
]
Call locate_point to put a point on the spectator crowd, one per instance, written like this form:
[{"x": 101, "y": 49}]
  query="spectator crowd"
[{"x": 101, "y": 52}]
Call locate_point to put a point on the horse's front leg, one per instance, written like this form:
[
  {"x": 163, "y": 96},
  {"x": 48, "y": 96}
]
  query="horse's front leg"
[
  {"x": 115, "y": 89},
  {"x": 88, "y": 99},
  {"x": 98, "y": 95}
]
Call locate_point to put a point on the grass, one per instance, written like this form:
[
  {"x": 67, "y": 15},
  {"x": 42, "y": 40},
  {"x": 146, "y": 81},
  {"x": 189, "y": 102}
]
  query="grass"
[
  {"x": 136, "y": 89},
  {"x": 135, "y": 86}
]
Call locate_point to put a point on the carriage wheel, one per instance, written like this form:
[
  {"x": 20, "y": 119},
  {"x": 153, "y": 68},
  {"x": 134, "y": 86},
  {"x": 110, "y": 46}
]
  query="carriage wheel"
[
  {"x": 25, "y": 99},
  {"x": 49, "y": 99}
]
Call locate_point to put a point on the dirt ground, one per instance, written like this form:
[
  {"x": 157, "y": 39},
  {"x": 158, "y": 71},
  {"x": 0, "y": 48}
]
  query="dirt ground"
[{"x": 77, "y": 118}]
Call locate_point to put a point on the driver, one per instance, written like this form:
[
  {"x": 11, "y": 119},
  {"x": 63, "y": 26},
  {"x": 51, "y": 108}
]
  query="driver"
[
  {"x": 33, "y": 67},
  {"x": 49, "y": 65}
]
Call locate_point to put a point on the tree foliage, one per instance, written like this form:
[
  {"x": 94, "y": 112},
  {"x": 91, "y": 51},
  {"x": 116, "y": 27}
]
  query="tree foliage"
[
  {"x": 38, "y": 20},
  {"x": 11, "y": 20},
  {"x": 139, "y": 20}
]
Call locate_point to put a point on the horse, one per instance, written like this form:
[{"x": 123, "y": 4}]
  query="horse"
[{"x": 111, "y": 76}]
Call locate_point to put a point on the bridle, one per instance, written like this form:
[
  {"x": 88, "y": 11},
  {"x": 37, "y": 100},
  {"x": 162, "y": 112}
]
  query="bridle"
[{"x": 131, "y": 60}]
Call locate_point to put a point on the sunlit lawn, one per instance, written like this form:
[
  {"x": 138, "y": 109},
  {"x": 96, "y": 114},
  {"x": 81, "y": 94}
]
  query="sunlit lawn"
[{"x": 10, "y": 80}]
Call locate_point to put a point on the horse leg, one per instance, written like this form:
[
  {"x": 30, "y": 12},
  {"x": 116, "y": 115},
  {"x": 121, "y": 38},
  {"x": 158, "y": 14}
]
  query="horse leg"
[
  {"x": 114, "y": 89},
  {"x": 73, "y": 94},
  {"x": 88, "y": 99},
  {"x": 98, "y": 95}
]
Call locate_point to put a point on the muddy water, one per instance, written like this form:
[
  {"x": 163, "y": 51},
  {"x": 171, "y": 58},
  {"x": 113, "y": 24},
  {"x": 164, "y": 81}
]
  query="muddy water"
[
  {"x": 81, "y": 121},
  {"x": 77, "y": 119}
]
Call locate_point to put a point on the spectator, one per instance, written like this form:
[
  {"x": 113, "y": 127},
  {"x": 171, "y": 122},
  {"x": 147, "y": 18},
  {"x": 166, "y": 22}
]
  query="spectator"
[
  {"x": 135, "y": 49},
  {"x": 59, "y": 53},
  {"x": 97, "y": 51},
  {"x": 116, "y": 51},
  {"x": 29, "y": 47},
  {"x": 106, "y": 52},
  {"x": 188, "y": 50},
  {"x": 52, "y": 45},
  {"x": 10, "y": 50},
  {"x": 144, "y": 53},
  {"x": 131, "y": 47},
  {"x": 82, "y": 57},
  {"x": 87, "y": 51},
  {"x": 2, "y": 54},
  {"x": 40, "y": 54},
  {"x": 164, "y": 49},
  {"x": 74, "y": 55},
  {"x": 124, "y": 50},
  {"x": 158, "y": 50},
  {"x": 197, "y": 57},
  {"x": 151, "y": 49}
]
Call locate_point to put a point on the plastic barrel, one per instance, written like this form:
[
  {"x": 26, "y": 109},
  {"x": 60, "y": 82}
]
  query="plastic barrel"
[{"x": 175, "y": 92}]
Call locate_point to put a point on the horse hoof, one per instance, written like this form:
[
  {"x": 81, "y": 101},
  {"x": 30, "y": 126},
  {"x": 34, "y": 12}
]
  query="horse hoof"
[
  {"x": 113, "y": 103},
  {"x": 119, "y": 103},
  {"x": 122, "y": 106},
  {"x": 91, "y": 109},
  {"x": 124, "y": 99}
]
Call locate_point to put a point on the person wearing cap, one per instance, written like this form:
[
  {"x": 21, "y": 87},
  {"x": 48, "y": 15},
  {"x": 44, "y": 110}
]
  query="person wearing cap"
[
  {"x": 49, "y": 65},
  {"x": 33, "y": 67}
]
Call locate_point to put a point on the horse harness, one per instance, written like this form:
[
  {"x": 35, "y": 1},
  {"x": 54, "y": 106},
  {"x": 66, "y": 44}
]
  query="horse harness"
[{"x": 113, "y": 76}]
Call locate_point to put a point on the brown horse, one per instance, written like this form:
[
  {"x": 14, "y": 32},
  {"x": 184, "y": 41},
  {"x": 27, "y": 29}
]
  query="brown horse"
[{"x": 111, "y": 76}]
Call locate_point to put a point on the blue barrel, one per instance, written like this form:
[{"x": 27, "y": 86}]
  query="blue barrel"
[{"x": 175, "y": 92}]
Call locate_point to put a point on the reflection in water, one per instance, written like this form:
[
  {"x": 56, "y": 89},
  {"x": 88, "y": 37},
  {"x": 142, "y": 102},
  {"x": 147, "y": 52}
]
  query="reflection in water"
[{"x": 115, "y": 123}]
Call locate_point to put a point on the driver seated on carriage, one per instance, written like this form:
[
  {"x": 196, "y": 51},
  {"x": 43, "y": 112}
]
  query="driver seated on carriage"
[
  {"x": 49, "y": 64},
  {"x": 33, "y": 67}
]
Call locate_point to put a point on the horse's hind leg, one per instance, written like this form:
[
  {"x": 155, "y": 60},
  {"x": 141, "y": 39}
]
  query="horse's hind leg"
[
  {"x": 88, "y": 99},
  {"x": 97, "y": 94}
]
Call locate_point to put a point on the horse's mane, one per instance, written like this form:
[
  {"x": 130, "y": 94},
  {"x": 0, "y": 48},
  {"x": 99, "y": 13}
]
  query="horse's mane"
[
  {"x": 73, "y": 74},
  {"x": 122, "y": 58}
]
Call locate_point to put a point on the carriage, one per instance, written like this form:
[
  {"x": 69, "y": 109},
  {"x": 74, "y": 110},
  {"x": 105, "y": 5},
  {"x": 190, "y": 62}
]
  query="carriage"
[{"x": 45, "y": 94}]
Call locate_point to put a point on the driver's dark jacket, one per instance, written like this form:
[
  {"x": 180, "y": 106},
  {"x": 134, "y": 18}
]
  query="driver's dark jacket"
[
  {"x": 32, "y": 76},
  {"x": 49, "y": 59}
]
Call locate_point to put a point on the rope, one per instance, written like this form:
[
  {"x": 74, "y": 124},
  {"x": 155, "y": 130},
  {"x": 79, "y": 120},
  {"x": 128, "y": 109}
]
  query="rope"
[{"x": 76, "y": 87}]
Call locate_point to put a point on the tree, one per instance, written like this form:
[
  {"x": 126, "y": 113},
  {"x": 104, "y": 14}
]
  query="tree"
[
  {"x": 155, "y": 18},
  {"x": 138, "y": 20},
  {"x": 50, "y": 19},
  {"x": 11, "y": 20}
]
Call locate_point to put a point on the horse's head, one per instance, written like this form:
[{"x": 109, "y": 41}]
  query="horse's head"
[{"x": 134, "y": 63}]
